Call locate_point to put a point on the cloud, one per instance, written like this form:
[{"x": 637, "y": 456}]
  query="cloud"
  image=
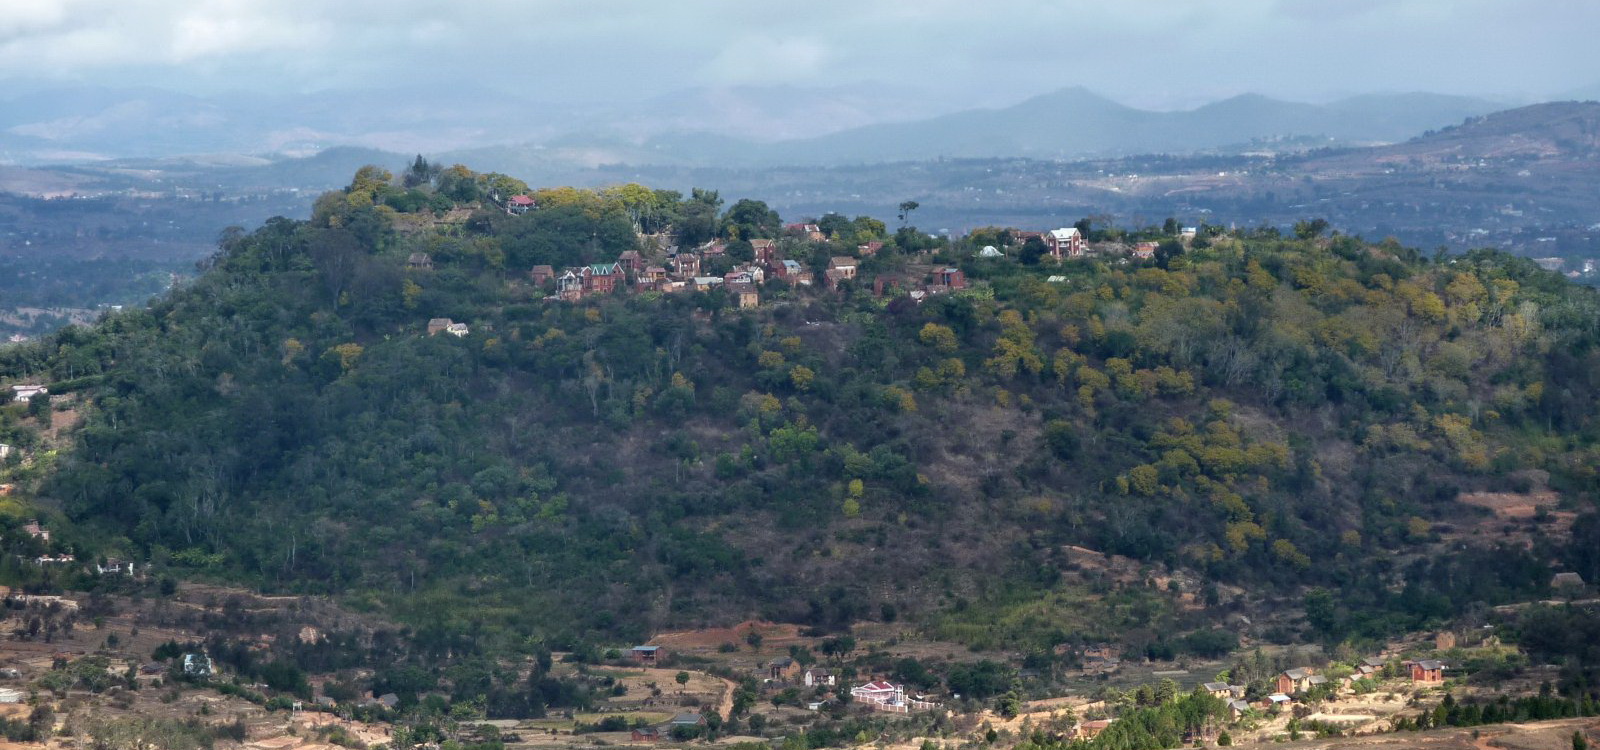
[{"x": 1146, "y": 51}]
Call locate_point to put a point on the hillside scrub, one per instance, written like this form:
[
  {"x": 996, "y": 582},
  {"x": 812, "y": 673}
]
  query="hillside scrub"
[{"x": 1268, "y": 412}]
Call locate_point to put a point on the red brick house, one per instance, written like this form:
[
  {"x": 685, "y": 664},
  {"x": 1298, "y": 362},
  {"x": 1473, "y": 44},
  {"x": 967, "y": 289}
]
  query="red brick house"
[
  {"x": 951, "y": 277},
  {"x": 647, "y": 655},
  {"x": 1089, "y": 730},
  {"x": 1427, "y": 671},
  {"x": 1145, "y": 250},
  {"x": 1294, "y": 681},
  {"x": 783, "y": 669},
  {"x": 631, "y": 261},
  {"x": 1066, "y": 242},
  {"x": 766, "y": 251},
  {"x": 601, "y": 278},
  {"x": 645, "y": 734},
  {"x": 542, "y": 275}
]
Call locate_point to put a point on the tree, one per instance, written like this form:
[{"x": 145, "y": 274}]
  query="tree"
[
  {"x": 750, "y": 219},
  {"x": 1008, "y": 704},
  {"x": 906, "y": 207},
  {"x": 1310, "y": 230},
  {"x": 682, "y": 678}
]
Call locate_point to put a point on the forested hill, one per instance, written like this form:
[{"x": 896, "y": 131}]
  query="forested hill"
[{"x": 1251, "y": 414}]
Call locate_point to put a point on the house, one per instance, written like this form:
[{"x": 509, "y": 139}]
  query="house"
[
  {"x": 869, "y": 249},
  {"x": 1566, "y": 581},
  {"x": 812, "y": 232},
  {"x": 889, "y": 284},
  {"x": 745, "y": 295},
  {"x": 686, "y": 265},
  {"x": 879, "y": 692},
  {"x": 33, "y": 529},
  {"x": 1145, "y": 250},
  {"x": 1066, "y": 242},
  {"x": 1427, "y": 671},
  {"x": 1100, "y": 660},
  {"x": 833, "y": 277},
  {"x": 325, "y": 702},
  {"x": 542, "y": 275},
  {"x": 782, "y": 669},
  {"x": 419, "y": 262},
  {"x": 1089, "y": 730},
  {"x": 815, "y": 677},
  {"x": 1238, "y": 707},
  {"x": 1444, "y": 640},
  {"x": 631, "y": 261},
  {"x": 197, "y": 665},
  {"x": 569, "y": 286},
  {"x": 11, "y": 695},
  {"x": 601, "y": 278},
  {"x": 791, "y": 271},
  {"x": 519, "y": 204},
  {"x": 5, "y": 451},
  {"x": 1187, "y": 234},
  {"x": 438, "y": 325},
  {"x": 688, "y": 720},
  {"x": 652, "y": 275},
  {"x": 1315, "y": 681},
  {"x": 114, "y": 566},
  {"x": 845, "y": 265},
  {"x": 766, "y": 251},
  {"x": 950, "y": 278},
  {"x": 25, "y": 393},
  {"x": 714, "y": 247},
  {"x": 1218, "y": 689},
  {"x": 650, "y": 655},
  {"x": 1276, "y": 701},
  {"x": 645, "y": 734},
  {"x": 1293, "y": 680},
  {"x": 990, "y": 251},
  {"x": 389, "y": 701},
  {"x": 458, "y": 330}
]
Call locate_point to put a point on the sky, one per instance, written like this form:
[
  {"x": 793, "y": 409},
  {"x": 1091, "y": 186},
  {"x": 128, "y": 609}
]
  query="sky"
[{"x": 1151, "y": 53}]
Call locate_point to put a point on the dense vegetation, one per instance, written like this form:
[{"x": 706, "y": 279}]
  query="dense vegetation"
[{"x": 1277, "y": 412}]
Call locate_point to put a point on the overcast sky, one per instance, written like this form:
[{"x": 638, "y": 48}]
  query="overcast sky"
[{"x": 1153, "y": 53}]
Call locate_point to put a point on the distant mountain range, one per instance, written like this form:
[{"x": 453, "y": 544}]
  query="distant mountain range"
[{"x": 743, "y": 126}]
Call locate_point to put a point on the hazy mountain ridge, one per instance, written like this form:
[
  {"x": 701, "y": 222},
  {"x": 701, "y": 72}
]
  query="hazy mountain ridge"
[{"x": 703, "y": 127}]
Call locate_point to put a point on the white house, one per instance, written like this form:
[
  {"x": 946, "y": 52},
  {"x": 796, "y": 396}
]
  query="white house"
[
  {"x": 457, "y": 330},
  {"x": 27, "y": 392}
]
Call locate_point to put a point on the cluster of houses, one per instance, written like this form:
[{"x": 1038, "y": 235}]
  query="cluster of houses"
[{"x": 1292, "y": 684}]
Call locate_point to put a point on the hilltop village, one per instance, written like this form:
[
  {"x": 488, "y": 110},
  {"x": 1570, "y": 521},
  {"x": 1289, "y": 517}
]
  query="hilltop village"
[{"x": 459, "y": 463}]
